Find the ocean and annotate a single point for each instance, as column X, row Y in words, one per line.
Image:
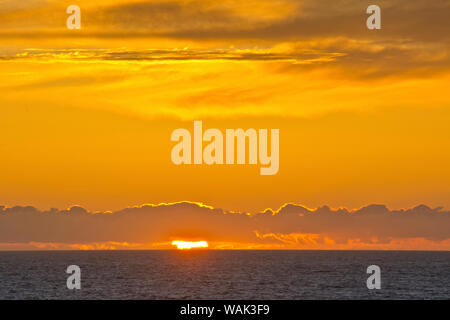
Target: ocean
column 214, row 274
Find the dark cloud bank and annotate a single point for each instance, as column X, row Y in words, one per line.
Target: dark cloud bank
column 152, row 223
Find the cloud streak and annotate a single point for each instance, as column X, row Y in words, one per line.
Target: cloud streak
column 80, row 55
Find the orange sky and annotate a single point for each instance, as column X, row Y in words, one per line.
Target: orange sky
column 87, row 114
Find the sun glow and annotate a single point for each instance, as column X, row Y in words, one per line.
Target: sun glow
column 185, row 245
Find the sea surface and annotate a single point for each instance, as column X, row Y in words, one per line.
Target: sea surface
column 211, row 274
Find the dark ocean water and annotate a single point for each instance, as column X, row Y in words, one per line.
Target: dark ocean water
column 213, row 274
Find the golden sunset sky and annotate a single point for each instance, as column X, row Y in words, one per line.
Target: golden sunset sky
column 86, row 115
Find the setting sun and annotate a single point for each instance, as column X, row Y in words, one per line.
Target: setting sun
column 182, row 245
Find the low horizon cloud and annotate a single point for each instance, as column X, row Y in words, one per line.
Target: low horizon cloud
column 292, row 226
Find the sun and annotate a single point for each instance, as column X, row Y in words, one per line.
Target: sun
column 186, row 245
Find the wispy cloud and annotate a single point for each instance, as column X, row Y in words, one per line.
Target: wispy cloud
column 232, row 19
column 80, row 55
